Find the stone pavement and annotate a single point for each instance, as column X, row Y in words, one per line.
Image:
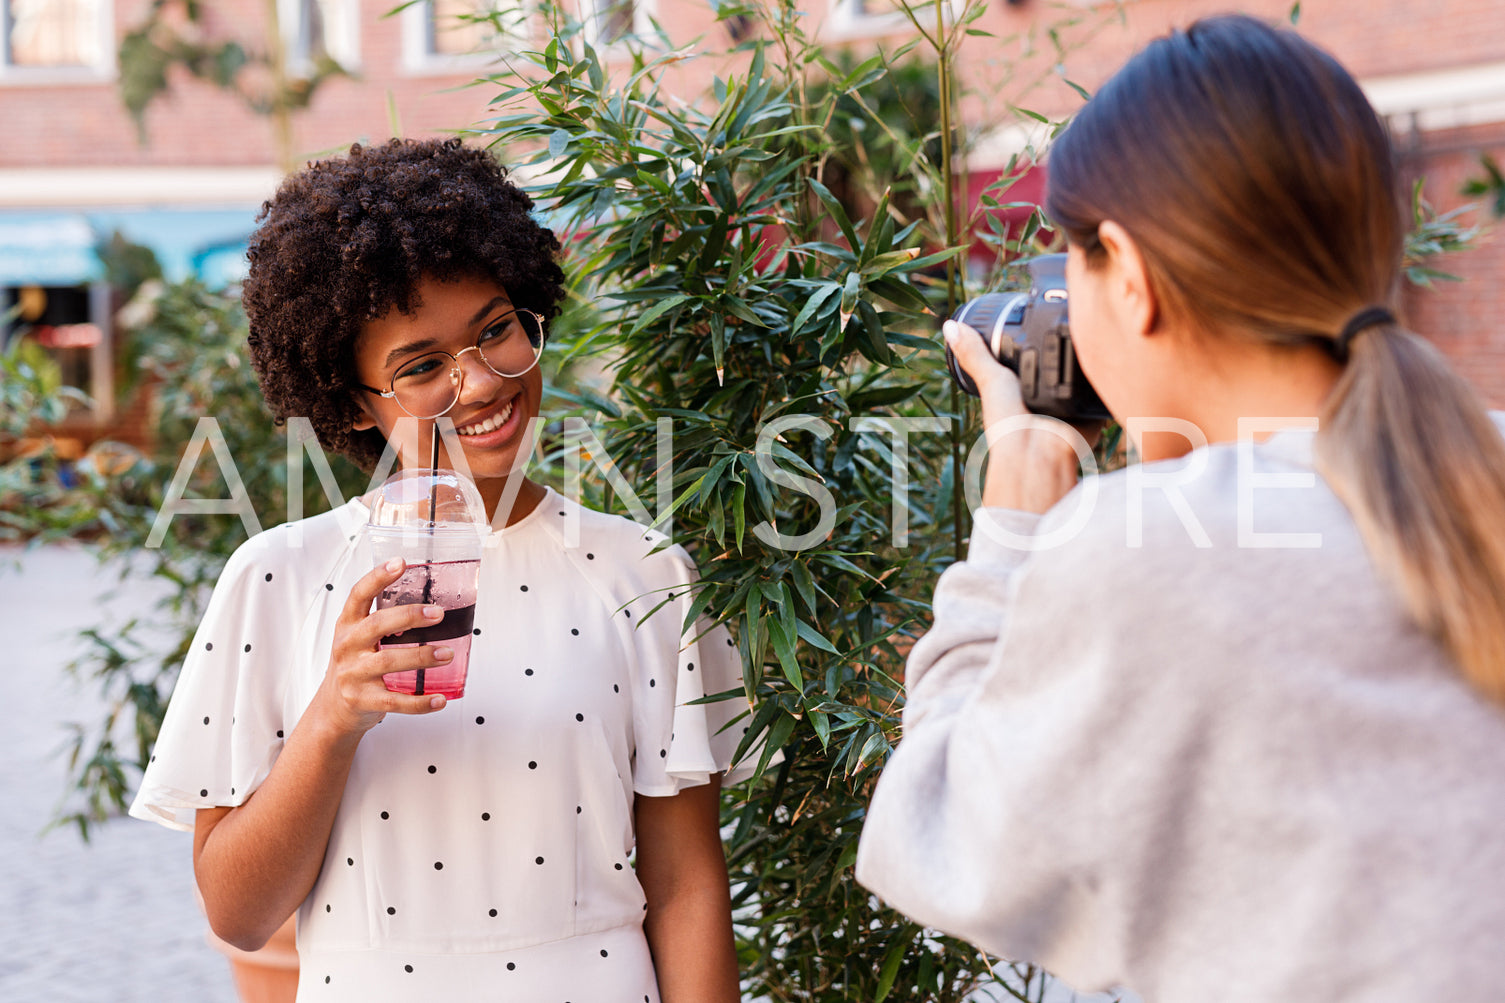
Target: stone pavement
column 113, row 920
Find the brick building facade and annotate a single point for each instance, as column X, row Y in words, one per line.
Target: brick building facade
column 72, row 157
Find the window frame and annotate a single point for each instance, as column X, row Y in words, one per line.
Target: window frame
column 643, row 12
column 843, row 22
column 342, row 42
column 103, row 69
column 420, row 59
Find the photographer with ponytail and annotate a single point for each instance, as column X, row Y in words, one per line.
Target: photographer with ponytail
column 1238, row 735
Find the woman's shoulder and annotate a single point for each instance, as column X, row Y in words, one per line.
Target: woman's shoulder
column 296, row 548
column 1181, row 526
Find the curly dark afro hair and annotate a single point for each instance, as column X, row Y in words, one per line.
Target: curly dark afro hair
column 349, row 239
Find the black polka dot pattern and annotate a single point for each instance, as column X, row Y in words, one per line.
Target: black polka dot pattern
column 551, row 681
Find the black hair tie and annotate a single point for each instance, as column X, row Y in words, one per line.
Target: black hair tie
column 1363, row 320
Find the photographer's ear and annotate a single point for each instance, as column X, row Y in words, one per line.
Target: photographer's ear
column 1130, row 295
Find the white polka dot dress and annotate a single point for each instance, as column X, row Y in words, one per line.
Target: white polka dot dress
column 483, row 852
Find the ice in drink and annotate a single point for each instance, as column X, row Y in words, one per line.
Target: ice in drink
column 435, row 521
column 448, row 584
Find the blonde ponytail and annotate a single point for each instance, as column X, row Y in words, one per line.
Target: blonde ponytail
column 1408, row 446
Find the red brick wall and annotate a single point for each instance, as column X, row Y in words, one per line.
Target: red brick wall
column 196, row 124
column 85, row 125
column 1464, row 318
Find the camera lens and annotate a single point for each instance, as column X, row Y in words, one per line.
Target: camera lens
column 991, row 315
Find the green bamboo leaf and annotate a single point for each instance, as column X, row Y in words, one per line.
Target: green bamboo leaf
column 890, row 260
column 822, row 725
column 805, row 586
column 891, row 961
column 778, row 734
column 783, row 647
column 876, row 242
column 559, row 141
column 814, row 637
column 872, row 326
column 850, row 297
column 658, row 309
column 814, row 303
column 739, row 512
column 838, row 213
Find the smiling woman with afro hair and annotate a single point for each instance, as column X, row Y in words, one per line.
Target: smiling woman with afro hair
column 350, row 241
column 557, row 835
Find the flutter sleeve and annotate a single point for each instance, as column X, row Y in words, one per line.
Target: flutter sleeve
column 679, row 742
column 224, row 728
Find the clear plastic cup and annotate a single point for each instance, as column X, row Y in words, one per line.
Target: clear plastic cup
column 436, row 522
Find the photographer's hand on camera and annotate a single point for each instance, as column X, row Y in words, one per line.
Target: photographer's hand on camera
column 353, row 696
column 1029, row 468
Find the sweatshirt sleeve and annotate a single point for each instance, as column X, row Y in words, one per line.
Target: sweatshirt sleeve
column 984, row 821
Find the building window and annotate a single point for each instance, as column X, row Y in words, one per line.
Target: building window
column 449, row 35
column 318, row 32
column 55, row 36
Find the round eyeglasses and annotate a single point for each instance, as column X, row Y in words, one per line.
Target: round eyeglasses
column 429, row 385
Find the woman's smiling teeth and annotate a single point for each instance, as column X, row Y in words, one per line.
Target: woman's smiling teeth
column 491, row 424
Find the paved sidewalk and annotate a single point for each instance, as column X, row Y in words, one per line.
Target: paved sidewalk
column 114, row 920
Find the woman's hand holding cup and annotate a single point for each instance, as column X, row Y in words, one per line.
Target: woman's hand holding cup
column 353, row 693
column 1030, row 468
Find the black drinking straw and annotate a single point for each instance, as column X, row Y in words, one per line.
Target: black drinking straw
column 428, row 569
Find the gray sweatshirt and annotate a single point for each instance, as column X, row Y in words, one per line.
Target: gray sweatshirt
column 1203, row 770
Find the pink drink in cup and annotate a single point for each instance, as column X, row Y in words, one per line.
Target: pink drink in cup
column 452, row 585
column 435, row 521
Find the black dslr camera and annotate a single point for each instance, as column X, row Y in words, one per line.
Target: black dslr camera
column 1027, row 332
